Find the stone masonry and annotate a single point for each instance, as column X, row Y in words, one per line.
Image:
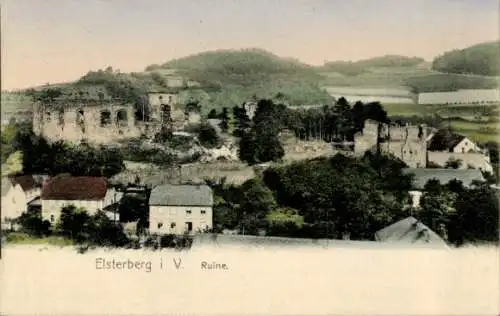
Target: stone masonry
column 407, row 143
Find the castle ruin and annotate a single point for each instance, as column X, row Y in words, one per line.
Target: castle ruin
column 407, row 142
column 103, row 120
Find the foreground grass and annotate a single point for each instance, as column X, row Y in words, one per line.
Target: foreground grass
column 25, row 239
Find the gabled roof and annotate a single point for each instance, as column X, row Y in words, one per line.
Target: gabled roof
column 75, row 188
column 26, row 182
column 423, row 175
column 181, row 195
column 442, row 140
column 409, row 230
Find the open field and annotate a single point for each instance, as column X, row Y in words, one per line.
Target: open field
column 481, row 132
column 479, row 122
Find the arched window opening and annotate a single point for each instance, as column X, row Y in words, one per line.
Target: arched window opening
column 80, row 120
column 105, row 118
column 48, row 116
column 166, row 113
column 121, row 118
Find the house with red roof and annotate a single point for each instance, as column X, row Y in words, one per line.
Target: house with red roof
column 91, row 193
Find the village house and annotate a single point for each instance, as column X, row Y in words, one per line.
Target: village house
column 410, row 231
column 179, row 209
column 422, row 175
column 442, row 149
column 91, row 193
column 19, row 194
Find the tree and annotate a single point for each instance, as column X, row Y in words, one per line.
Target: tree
column 104, row 232
column 258, row 200
column 212, row 114
column 74, row 223
column 242, row 121
column 33, row 224
column 436, row 209
column 208, row 136
column 477, row 217
column 261, row 143
column 224, row 117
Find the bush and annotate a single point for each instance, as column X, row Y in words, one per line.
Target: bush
column 207, row 136
column 33, row 224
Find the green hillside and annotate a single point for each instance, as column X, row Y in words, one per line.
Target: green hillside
column 230, row 77
column 354, row 68
column 237, row 75
column 481, row 59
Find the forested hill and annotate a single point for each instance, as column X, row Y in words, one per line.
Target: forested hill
column 237, row 75
column 481, row 59
column 361, row 66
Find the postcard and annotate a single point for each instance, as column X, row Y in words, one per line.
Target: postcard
column 265, row 157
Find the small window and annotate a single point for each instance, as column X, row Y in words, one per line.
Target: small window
column 188, row 212
column 463, row 150
column 203, row 212
column 160, row 225
column 47, row 116
column 189, row 226
column 172, row 225
column 52, row 218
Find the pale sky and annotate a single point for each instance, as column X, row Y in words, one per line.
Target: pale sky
column 60, row 40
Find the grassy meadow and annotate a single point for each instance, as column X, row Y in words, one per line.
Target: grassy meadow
column 479, row 122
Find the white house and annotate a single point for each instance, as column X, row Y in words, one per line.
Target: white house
column 177, row 209
column 17, row 193
column 90, row 193
column 422, row 175
column 443, row 148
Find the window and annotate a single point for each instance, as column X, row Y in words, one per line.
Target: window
column 203, row 212
column 463, row 150
column 172, row 225
column 160, row 225
column 105, row 118
column 121, row 118
column 52, row 218
column 189, row 226
column 47, row 115
column 188, row 212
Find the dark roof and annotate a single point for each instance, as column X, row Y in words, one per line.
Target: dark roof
column 35, row 202
column 181, row 195
column 423, row 175
column 27, row 182
column 409, row 230
column 75, row 188
column 444, row 141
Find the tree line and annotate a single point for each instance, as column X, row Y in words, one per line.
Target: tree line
column 355, row 197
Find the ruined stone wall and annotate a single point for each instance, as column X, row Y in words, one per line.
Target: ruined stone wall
column 96, row 122
column 158, row 102
column 367, row 139
column 407, row 143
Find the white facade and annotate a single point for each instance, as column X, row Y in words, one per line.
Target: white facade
column 473, row 159
column 51, row 209
column 465, row 146
column 15, row 202
column 415, row 198
column 175, row 219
